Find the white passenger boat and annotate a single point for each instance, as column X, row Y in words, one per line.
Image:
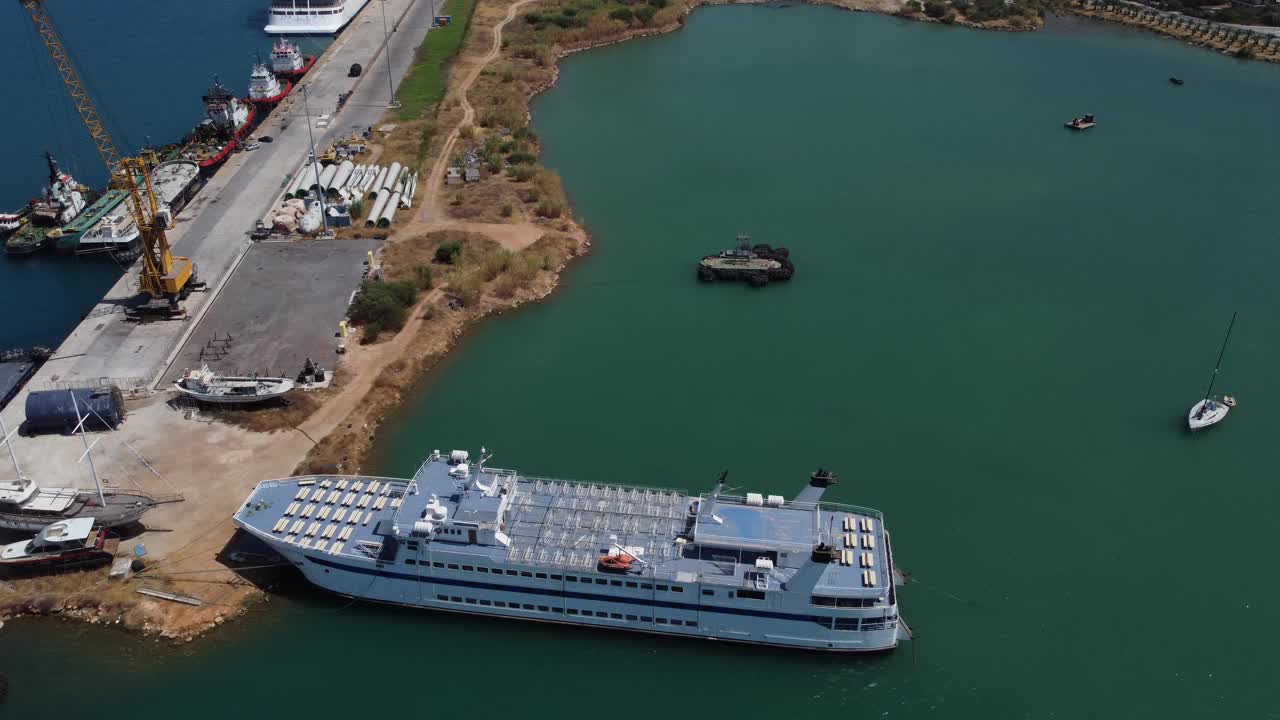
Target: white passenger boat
column 311, row 16
column 208, row 386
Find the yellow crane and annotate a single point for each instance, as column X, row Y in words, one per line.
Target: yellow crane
column 164, row 275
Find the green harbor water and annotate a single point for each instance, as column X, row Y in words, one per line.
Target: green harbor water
column 994, row 333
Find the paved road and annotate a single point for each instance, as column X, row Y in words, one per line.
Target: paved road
column 213, row 229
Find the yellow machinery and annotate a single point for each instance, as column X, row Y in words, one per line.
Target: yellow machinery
column 164, row 276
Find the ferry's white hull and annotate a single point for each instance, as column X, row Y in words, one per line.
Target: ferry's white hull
column 304, row 21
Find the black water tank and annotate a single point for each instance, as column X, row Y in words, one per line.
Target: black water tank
column 55, row 410
column 355, row 70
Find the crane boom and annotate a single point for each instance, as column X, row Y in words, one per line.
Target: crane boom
column 164, row 275
column 75, row 87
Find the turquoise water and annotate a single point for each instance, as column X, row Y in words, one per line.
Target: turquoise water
column 994, row 332
column 146, row 64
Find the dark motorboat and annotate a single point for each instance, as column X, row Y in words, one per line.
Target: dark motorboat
column 1175, row 81
column 1081, row 123
column 64, row 543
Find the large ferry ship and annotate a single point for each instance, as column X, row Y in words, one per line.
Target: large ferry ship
column 798, row 573
column 311, row 16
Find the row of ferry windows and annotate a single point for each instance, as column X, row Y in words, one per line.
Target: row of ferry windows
column 842, row 602
column 552, row 576
column 570, row 611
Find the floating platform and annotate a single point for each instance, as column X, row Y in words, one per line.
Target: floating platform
column 757, row 265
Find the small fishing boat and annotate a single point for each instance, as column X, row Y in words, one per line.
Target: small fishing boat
column 62, row 544
column 1211, row 411
column 207, row 386
column 1081, row 123
column 1175, row 81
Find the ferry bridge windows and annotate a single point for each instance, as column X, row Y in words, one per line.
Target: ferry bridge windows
column 467, row 568
column 646, row 586
column 663, row 588
column 525, row 573
column 527, row 607
column 571, row 611
column 483, row 569
column 455, row 598
column 410, row 561
column 437, row 564
column 442, row 598
column 615, row 616
column 601, row 581
column 471, row 601
column 555, row 577
column 540, row 576
column 486, row 603
column 452, row 566
column 499, row 603
column 632, row 618
column 677, row 588
column 616, row 583
column 543, row 608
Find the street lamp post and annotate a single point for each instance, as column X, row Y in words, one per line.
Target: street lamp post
column 315, row 162
column 392, row 104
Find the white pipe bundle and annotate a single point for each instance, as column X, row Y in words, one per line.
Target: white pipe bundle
column 296, row 186
column 379, row 182
column 389, row 212
column 376, row 211
column 370, row 174
column 326, row 177
column 340, row 176
column 392, row 177
column 356, row 176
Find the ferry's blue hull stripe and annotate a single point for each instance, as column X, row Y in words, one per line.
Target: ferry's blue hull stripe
column 690, row 607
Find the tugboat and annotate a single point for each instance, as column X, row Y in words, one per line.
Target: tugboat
column 63, row 544
column 207, row 386
column 287, row 61
column 756, row 264
column 228, row 119
column 62, row 202
column 264, row 89
column 1081, row 123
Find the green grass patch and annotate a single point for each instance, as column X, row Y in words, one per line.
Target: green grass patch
column 424, row 86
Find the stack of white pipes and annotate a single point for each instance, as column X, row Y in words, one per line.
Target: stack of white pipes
column 375, row 212
column 389, row 210
column 339, row 178
column 379, row 182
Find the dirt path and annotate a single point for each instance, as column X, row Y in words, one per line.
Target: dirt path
column 432, row 209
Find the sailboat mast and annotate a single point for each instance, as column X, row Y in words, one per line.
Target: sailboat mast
column 1222, row 351
column 87, row 450
column 8, row 442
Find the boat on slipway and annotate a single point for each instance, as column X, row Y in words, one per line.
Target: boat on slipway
column 467, row 538
column 1212, row 410
column 66, row 543
column 27, row 506
column 208, row 386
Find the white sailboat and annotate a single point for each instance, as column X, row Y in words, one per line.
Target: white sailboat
column 1211, row 410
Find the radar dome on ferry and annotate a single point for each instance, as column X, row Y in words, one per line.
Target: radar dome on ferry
column 460, row 470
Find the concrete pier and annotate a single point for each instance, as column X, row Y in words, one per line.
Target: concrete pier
column 213, row 229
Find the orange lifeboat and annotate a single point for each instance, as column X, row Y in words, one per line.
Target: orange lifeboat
column 616, row 563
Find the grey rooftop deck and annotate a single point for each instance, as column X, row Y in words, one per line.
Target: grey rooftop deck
column 569, row 525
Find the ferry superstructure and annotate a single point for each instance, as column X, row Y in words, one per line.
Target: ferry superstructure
column 311, row 16
column 796, row 573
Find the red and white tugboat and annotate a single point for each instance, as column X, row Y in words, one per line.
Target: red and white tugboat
column 63, row 544
column 287, row 61
column 228, row 120
column 264, row 89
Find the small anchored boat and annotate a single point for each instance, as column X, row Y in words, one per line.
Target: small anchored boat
column 1081, row 123
column 1175, row 80
column 1211, row 411
column 207, row 386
